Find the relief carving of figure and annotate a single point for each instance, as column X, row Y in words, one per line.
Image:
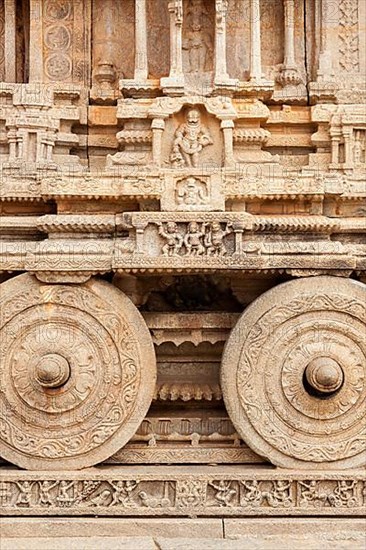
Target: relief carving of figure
column 191, row 493
column 174, row 239
column 279, row 495
column 214, row 239
column 310, row 493
column 44, row 492
column 63, row 498
column 198, row 40
column 253, row 495
column 191, row 193
column 123, row 492
column 344, row 494
column 25, row 493
column 189, row 140
column 192, row 239
column 225, row 493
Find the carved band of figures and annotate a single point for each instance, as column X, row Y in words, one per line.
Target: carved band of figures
column 179, row 495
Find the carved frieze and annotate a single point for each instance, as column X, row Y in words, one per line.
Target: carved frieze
column 214, row 492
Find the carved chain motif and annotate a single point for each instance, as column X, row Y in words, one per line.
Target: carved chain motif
column 348, row 35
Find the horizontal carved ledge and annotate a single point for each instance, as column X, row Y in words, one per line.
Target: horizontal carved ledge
column 182, row 491
column 126, row 183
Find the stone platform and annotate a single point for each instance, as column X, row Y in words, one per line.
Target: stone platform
column 187, row 534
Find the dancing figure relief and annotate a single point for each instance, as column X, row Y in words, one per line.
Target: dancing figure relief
column 190, row 139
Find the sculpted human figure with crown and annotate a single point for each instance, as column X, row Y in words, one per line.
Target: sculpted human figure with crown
column 189, row 140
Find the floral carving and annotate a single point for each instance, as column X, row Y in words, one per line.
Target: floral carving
column 299, row 370
column 72, row 370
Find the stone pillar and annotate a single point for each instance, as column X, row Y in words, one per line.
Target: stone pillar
column 289, row 74
column 35, row 41
column 140, row 84
column 140, row 231
column 12, row 140
column 227, row 127
column 238, row 228
column 348, row 156
column 289, row 45
column 10, row 40
column 221, row 74
column 104, row 71
column 255, row 41
column 335, row 141
column 157, row 127
column 175, row 80
column 141, row 66
column 323, row 10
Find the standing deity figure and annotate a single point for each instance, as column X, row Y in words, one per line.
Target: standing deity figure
column 198, row 40
column 45, row 487
column 214, row 239
column 174, row 239
column 192, row 239
column 189, row 140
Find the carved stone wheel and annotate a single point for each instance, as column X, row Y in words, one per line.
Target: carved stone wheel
column 77, row 372
column 294, row 374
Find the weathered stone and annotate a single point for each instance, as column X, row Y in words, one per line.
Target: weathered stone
column 78, row 369
column 293, row 372
column 182, row 159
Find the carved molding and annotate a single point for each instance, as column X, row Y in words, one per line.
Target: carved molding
column 200, row 492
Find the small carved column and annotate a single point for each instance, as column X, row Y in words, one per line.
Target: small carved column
column 238, row 228
column 289, row 57
column 175, row 80
column 35, row 41
column 335, row 137
column 140, row 84
column 140, row 230
column 289, row 73
column 323, row 20
column 227, row 127
column 10, row 40
column 104, row 46
column 348, row 157
column 221, row 74
column 157, row 127
column 12, row 140
column 255, row 41
column 141, row 66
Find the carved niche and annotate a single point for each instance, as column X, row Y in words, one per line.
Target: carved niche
column 192, row 140
column 198, row 41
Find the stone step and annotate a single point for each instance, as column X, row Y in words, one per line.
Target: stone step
column 186, row 534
